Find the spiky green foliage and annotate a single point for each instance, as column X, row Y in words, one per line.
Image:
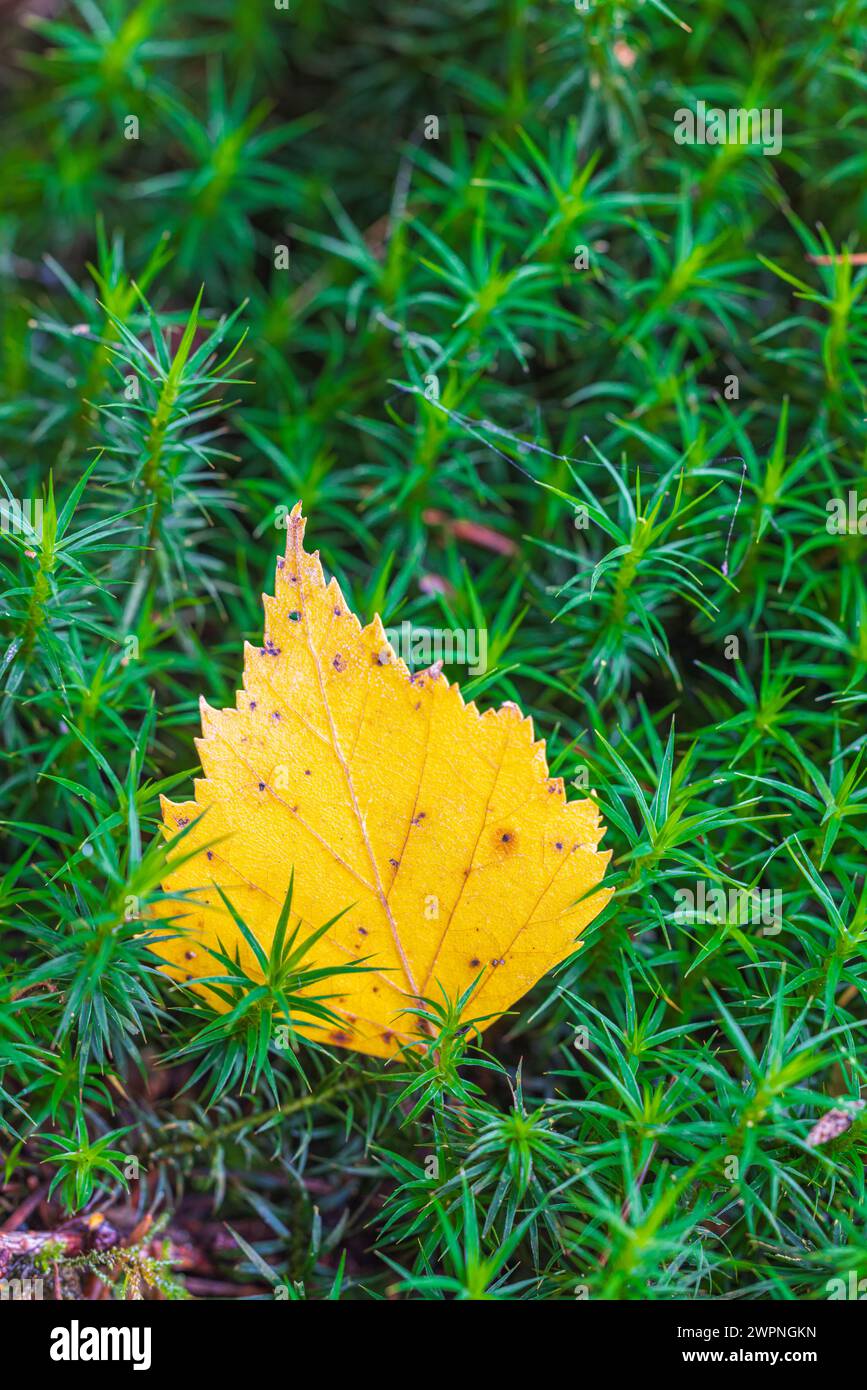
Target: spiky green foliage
column 534, row 368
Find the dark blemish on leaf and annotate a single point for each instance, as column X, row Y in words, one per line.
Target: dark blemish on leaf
column 418, row 704
column 269, row 649
column 338, row 612
column 559, row 844
column 475, row 962
column 363, row 931
column 276, row 714
column 189, row 955
column 209, row 853
column 387, row 1037
column 495, row 963
column 307, row 772
column 261, row 786
column 281, row 563
column 376, row 989
column 182, row 821
column 338, row 663
column 340, row 1037
column 252, row 704
column 393, row 863
column 505, row 837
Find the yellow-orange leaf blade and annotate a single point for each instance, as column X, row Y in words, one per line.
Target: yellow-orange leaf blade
column 382, row 789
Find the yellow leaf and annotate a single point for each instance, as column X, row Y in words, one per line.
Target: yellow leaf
column 384, row 791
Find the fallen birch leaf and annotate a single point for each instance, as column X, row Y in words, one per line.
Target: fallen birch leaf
column 436, row 826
